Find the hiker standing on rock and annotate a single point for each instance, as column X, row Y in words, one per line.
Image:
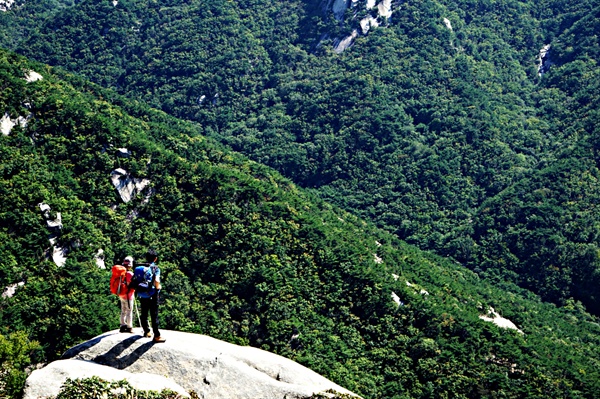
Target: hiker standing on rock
column 119, row 281
column 146, row 281
column 126, row 298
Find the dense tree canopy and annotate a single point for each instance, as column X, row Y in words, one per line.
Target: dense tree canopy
column 249, row 257
column 427, row 125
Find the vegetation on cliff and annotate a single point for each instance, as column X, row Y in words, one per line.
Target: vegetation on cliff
column 438, row 126
column 250, row 258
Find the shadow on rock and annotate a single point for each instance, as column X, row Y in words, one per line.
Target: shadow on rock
column 111, row 358
column 76, row 350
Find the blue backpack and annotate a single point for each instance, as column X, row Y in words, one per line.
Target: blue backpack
column 143, row 280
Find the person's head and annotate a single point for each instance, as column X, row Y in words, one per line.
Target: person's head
column 128, row 262
column 151, row 256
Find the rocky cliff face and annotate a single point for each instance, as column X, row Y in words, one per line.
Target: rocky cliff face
column 185, row 362
column 378, row 12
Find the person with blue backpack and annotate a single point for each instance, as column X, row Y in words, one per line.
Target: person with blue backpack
column 146, row 282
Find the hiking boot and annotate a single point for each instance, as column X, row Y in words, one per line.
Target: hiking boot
column 123, row 329
column 158, row 339
column 128, row 330
column 147, row 334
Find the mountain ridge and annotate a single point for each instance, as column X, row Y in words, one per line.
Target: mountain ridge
column 247, row 256
column 416, row 126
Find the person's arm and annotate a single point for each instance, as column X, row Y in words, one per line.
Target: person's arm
column 157, row 280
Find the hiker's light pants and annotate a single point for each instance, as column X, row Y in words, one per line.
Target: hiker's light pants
column 126, row 311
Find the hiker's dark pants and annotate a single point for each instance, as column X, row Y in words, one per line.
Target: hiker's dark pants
column 150, row 305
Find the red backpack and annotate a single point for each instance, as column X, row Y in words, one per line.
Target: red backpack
column 118, row 283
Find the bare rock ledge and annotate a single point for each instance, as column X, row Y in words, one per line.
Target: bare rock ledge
column 185, row 362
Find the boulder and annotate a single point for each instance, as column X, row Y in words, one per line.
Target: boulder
column 46, row 382
column 185, row 362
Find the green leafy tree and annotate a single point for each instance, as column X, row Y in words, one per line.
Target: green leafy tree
column 17, row 353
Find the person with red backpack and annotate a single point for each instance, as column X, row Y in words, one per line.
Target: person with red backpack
column 119, row 285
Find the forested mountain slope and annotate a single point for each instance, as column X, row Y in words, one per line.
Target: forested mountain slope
column 438, row 124
column 247, row 257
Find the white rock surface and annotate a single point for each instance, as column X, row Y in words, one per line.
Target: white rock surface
column 366, row 24
column 6, row 124
column 493, row 317
column 544, row 61
column 59, row 254
column 212, row 368
column 448, row 24
column 45, row 208
column 23, row 121
column 123, row 152
column 46, row 382
column 56, row 223
column 126, row 185
column 12, row 289
column 385, row 8
column 33, row 76
column 5, row 5
column 345, row 43
column 99, row 258
column 396, row 299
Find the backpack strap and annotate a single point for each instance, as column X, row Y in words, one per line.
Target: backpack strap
column 120, row 285
column 153, row 267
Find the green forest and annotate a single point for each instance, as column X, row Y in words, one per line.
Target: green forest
column 437, row 160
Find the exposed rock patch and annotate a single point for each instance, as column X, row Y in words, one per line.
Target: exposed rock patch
column 378, row 13
column 493, row 317
column 33, row 76
column 7, row 124
column 385, row 8
column 5, row 5
column 368, row 22
column 345, row 43
column 58, row 254
column 544, row 61
column 123, row 152
column 47, row 381
column 396, row 299
column 448, row 24
column 126, row 185
column 99, row 258
column 10, row 291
